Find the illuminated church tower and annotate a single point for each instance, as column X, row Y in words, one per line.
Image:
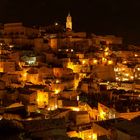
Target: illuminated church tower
column 69, row 23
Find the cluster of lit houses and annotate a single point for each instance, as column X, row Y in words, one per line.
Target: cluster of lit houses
column 44, row 75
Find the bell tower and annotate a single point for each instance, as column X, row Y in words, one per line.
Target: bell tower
column 69, row 22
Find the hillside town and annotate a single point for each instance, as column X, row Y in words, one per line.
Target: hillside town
column 57, row 84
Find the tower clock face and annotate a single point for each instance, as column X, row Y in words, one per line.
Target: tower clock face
column 69, row 18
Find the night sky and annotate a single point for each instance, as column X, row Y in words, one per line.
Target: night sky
column 119, row 17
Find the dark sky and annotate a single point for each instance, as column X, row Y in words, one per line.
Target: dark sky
column 119, row 17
